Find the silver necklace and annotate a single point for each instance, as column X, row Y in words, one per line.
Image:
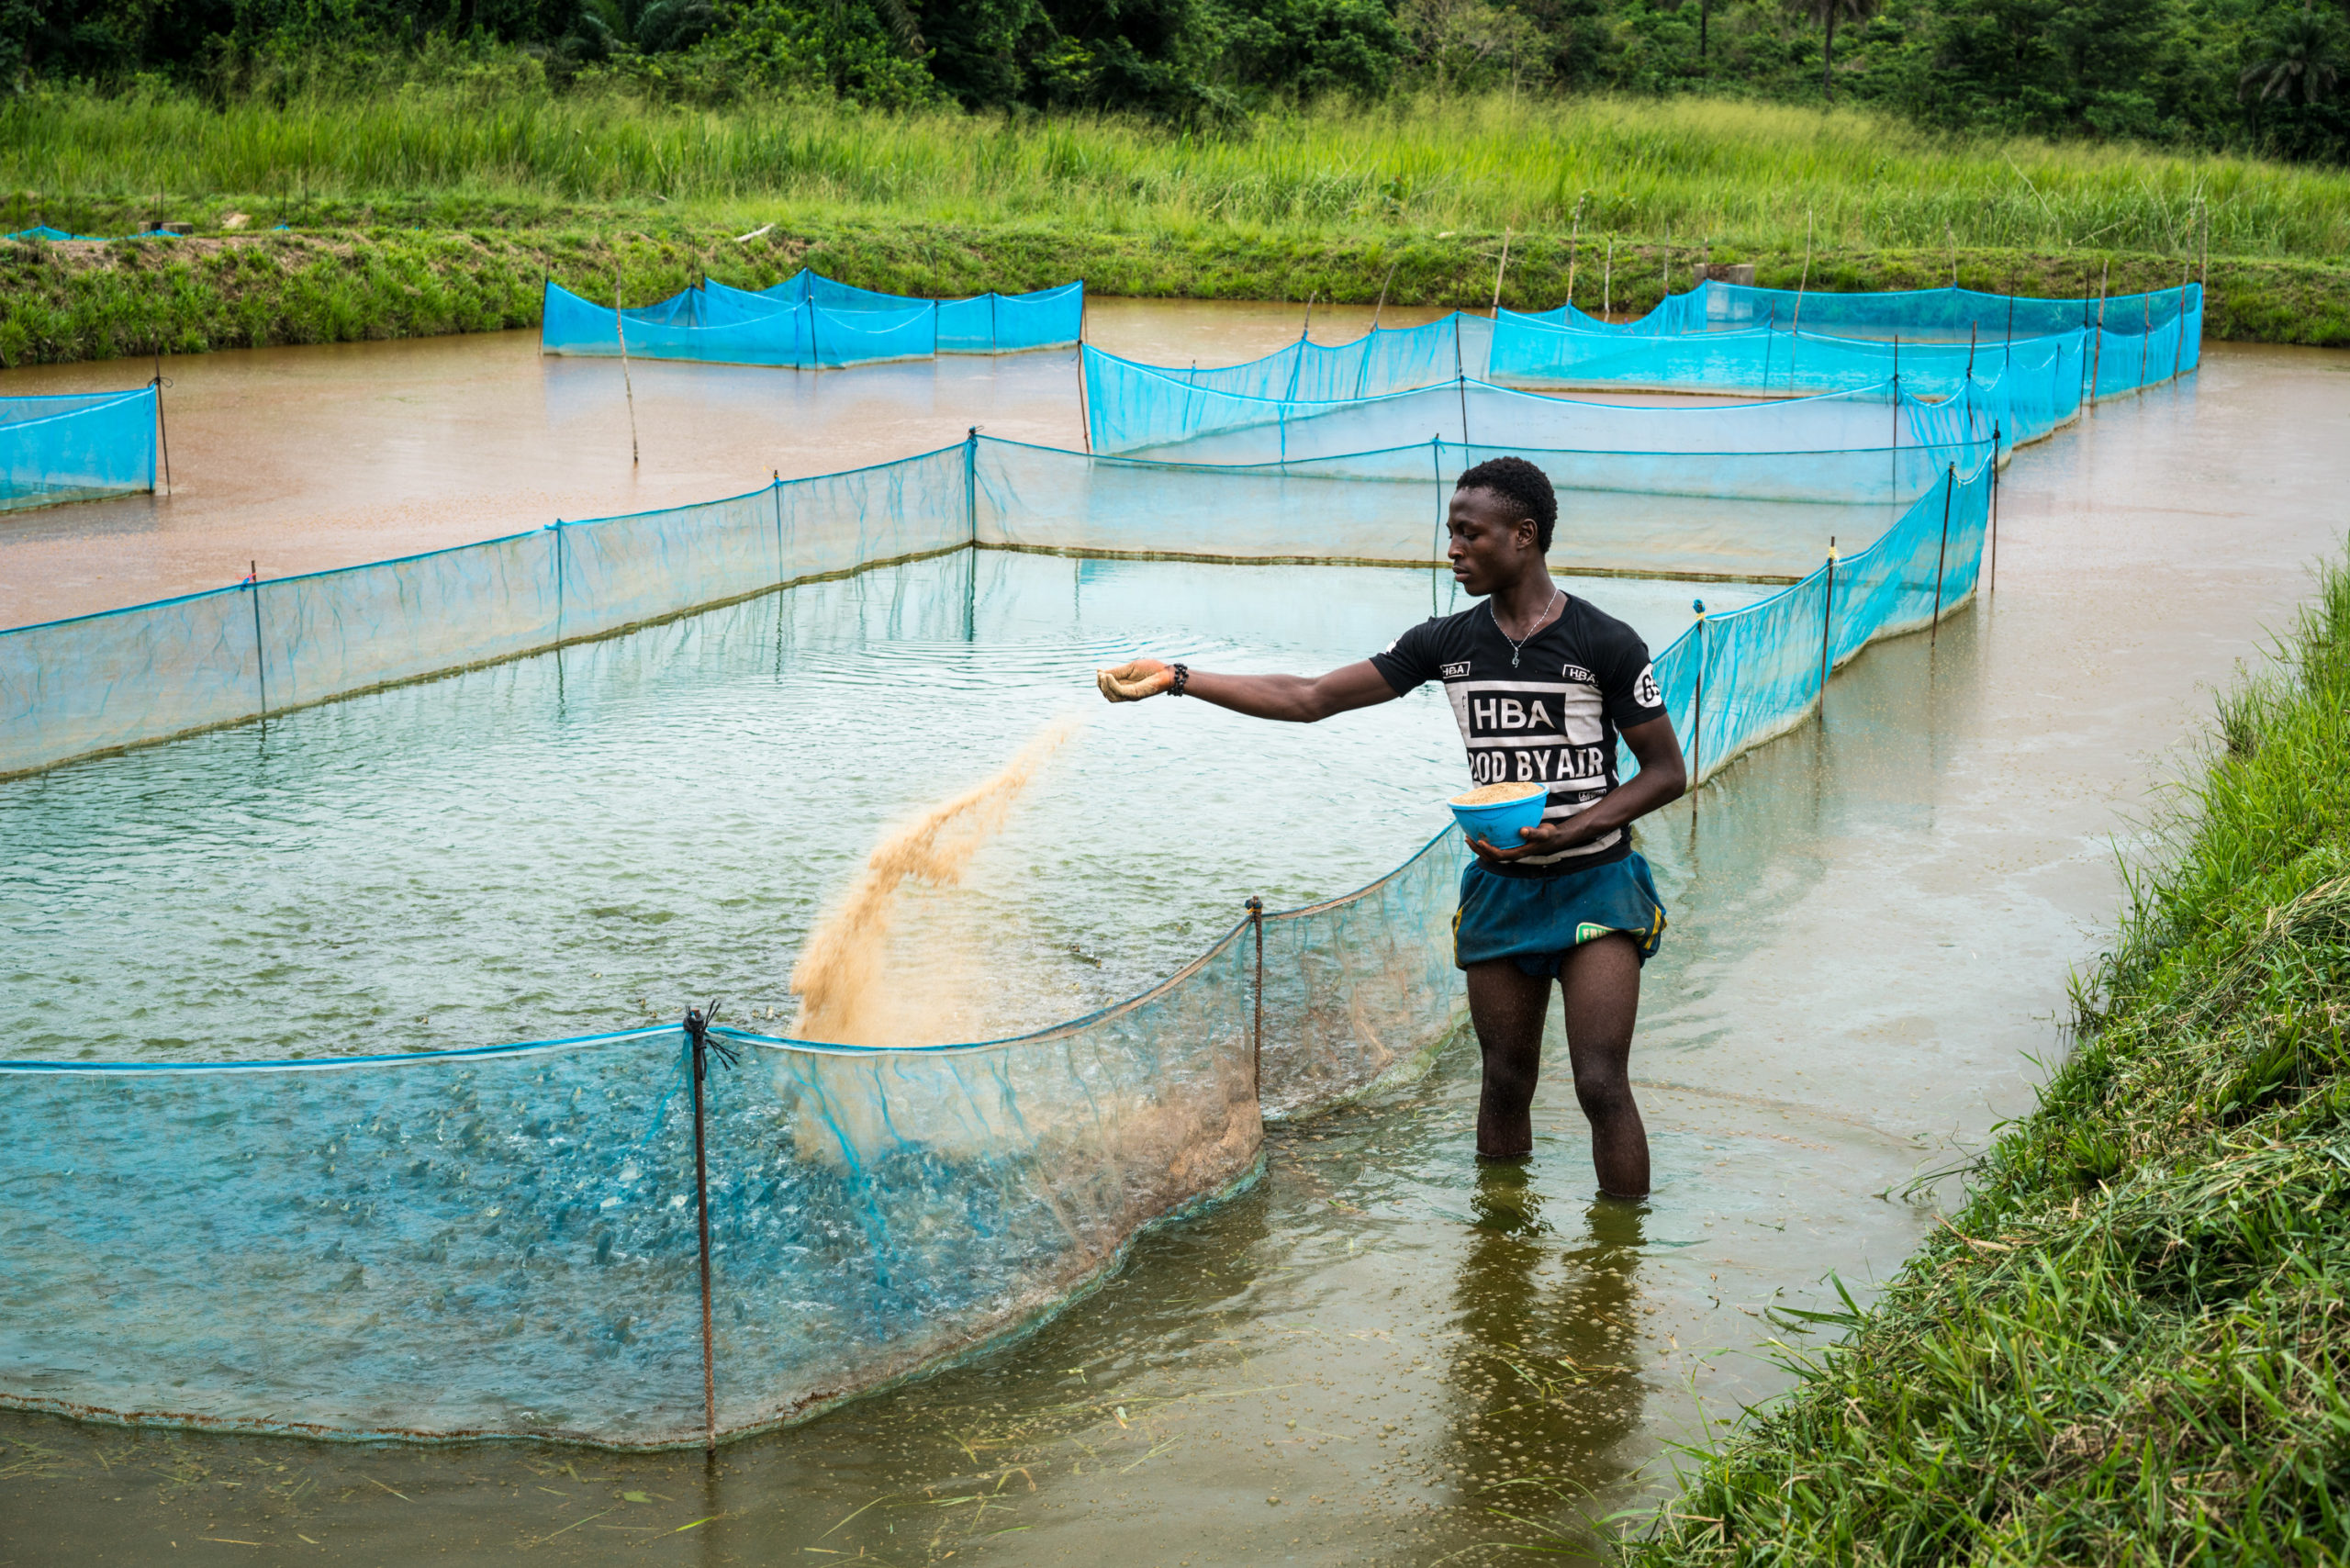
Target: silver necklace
column 1519, row 646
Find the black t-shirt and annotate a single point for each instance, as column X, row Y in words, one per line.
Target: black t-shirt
column 1552, row 718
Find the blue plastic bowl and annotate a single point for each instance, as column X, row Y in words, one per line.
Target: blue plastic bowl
column 1502, row 823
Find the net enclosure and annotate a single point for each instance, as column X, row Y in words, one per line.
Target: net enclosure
column 1135, row 411
column 97, row 683
column 504, row 1242
column 2027, row 365
column 76, row 447
column 57, row 236
column 1951, row 315
column 809, row 321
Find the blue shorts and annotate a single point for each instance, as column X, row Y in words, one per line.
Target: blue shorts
column 1536, row 921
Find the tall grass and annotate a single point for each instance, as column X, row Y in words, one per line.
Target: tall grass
column 2133, row 1345
column 1693, row 170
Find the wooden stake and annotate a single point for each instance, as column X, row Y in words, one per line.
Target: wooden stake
column 163, row 426
column 1826, row 618
column 1795, row 330
column 261, row 651
column 1941, row 554
column 1573, row 235
column 620, row 327
column 697, row 1023
column 2097, row 367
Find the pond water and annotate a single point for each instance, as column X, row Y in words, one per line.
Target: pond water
column 1379, row 1352
column 566, row 845
column 302, row 459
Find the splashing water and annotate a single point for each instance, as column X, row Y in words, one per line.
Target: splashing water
column 843, row 997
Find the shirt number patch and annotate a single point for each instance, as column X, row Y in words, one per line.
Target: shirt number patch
column 1644, row 690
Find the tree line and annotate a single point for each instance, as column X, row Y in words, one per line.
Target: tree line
column 2259, row 75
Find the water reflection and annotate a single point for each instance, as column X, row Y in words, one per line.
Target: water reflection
column 1544, row 1382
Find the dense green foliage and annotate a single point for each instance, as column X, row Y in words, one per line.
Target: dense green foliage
column 2252, row 75
column 2132, row 1344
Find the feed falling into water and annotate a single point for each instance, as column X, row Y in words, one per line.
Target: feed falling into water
column 839, row 979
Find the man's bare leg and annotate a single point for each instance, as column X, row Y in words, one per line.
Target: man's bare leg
column 1601, row 980
column 1506, row 1005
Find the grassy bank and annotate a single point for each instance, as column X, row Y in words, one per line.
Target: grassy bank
column 90, row 302
column 2131, row 1346
column 438, row 209
column 1686, row 169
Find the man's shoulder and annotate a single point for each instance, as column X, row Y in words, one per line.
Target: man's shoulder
column 1442, row 630
column 1593, row 627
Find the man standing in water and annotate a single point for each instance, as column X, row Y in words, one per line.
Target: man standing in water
column 1542, row 684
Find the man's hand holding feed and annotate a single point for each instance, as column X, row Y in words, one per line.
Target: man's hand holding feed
column 1134, row 681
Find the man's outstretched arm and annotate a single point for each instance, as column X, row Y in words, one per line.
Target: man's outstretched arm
column 1298, row 699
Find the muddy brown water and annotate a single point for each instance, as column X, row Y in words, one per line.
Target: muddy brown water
column 1380, row 1352
column 299, row 460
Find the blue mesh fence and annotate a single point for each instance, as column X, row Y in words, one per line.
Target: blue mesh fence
column 76, row 447
column 1938, row 344
column 985, row 323
column 96, row 683
column 1137, row 410
column 809, row 321
column 1396, row 359
column 1947, row 315
column 99, row 682
column 1766, row 515
column 1735, row 679
column 43, row 231
column 503, row 1241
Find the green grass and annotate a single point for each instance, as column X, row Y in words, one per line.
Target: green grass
column 2131, row 1345
column 184, row 297
column 438, row 209
column 1695, row 169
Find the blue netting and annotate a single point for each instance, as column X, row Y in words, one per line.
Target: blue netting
column 1735, row 679
column 1135, row 410
column 1759, row 515
column 502, row 1241
column 1937, row 345
column 698, row 325
column 809, row 321
column 76, row 447
column 123, row 678
column 1396, row 359
column 43, row 231
column 1945, row 315
column 986, row 323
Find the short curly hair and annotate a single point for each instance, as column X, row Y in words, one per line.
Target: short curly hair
column 1515, row 480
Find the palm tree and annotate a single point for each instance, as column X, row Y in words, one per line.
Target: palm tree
column 2299, row 67
column 1827, row 13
